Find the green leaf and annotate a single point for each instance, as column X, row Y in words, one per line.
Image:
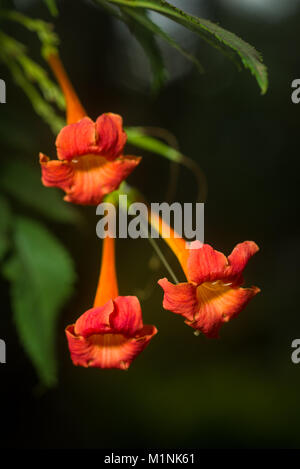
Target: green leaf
column 145, row 37
column 36, row 74
column 23, row 182
column 5, row 224
column 211, row 32
column 147, row 40
column 52, row 7
column 145, row 31
column 150, row 27
column 40, row 105
column 137, row 137
column 44, row 30
column 41, row 273
column 26, row 74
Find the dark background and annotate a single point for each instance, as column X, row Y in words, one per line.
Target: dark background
column 183, row 391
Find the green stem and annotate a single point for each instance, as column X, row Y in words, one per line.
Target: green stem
column 142, row 137
column 132, row 193
column 162, row 258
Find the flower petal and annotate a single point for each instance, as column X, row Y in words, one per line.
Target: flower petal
column 180, row 298
column 219, row 303
column 76, row 139
column 95, row 320
column 105, row 137
column 127, row 316
column 111, row 138
column 206, row 265
column 107, row 350
column 95, row 177
column 89, row 179
column 56, row 173
column 240, row 256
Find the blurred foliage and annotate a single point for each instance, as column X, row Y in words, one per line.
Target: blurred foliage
column 41, row 275
column 37, row 265
column 49, row 40
column 23, row 183
column 42, row 92
column 51, row 4
column 185, row 391
column 5, row 222
column 226, row 41
column 145, row 30
column 138, row 136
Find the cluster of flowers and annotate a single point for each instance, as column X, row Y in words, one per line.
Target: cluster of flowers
column 111, row 334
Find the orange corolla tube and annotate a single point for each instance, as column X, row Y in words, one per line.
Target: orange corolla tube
column 112, row 333
column 174, row 241
column 74, row 109
column 90, row 156
column 212, row 294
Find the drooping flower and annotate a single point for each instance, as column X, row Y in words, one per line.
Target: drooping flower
column 212, row 294
column 90, row 160
column 112, row 333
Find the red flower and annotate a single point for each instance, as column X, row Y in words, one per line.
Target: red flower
column 112, row 333
column 90, row 161
column 110, row 336
column 213, row 293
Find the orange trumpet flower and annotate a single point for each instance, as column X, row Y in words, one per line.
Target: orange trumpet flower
column 212, row 294
column 90, row 161
column 112, row 333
